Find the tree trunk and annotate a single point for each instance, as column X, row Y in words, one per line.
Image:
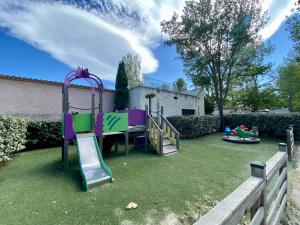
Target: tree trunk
column 221, row 114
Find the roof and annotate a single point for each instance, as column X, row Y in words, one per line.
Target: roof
column 40, row 81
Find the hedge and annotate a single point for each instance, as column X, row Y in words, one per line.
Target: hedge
column 12, row 136
column 192, row 126
column 43, row 134
column 268, row 124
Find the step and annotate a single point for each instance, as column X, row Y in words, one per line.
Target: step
column 166, row 142
column 169, row 150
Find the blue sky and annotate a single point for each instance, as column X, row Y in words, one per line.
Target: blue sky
column 44, row 40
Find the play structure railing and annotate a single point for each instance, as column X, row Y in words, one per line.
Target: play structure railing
column 253, row 196
column 155, row 135
column 170, row 131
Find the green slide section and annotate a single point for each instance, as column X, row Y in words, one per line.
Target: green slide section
column 114, row 122
column 93, row 168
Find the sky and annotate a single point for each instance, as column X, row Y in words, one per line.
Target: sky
column 45, row 39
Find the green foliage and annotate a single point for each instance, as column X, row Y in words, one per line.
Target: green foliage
column 219, row 42
column 289, row 85
column 43, row 134
column 180, row 85
column 12, row 136
column 133, row 69
column 192, row 126
column 209, row 105
column 254, row 99
column 269, row 124
column 121, row 100
column 149, row 96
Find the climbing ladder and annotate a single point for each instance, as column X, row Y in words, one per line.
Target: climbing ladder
column 164, row 138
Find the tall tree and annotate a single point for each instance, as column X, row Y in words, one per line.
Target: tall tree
column 121, row 94
column 289, row 84
column 218, row 41
column 180, row 84
column 133, row 69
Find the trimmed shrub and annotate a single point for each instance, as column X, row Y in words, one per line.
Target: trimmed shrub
column 12, row 136
column 268, row 124
column 43, row 134
column 193, row 126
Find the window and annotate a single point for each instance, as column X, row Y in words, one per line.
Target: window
column 188, row 112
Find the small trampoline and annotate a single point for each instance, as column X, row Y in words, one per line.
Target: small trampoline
column 236, row 139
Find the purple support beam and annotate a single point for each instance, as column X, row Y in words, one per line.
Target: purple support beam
column 68, row 123
column 99, row 125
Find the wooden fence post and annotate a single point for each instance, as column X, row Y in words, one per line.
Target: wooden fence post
column 258, row 169
column 290, row 143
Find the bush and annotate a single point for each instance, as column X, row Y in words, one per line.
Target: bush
column 43, row 134
column 192, row 126
column 269, row 124
column 12, row 136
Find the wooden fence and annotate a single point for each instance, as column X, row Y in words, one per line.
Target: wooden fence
column 263, row 195
column 290, row 142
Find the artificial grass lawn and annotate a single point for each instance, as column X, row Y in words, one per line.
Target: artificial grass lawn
column 35, row 190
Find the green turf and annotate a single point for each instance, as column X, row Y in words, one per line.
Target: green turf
column 35, row 190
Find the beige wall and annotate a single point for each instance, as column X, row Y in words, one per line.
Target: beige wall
column 43, row 101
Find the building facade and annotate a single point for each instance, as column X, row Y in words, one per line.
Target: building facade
column 42, row 100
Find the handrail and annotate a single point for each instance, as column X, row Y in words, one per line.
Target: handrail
column 160, row 130
column 170, row 125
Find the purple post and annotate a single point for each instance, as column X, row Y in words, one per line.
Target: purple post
column 99, row 125
column 68, row 123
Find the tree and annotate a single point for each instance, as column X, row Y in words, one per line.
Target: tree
column 133, row 69
column 121, row 94
column 180, row 85
column 289, row 84
column 219, row 42
column 209, row 105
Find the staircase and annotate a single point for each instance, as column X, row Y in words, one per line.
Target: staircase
column 165, row 138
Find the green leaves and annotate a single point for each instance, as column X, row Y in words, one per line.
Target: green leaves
column 121, row 100
column 12, row 136
column 192, row 126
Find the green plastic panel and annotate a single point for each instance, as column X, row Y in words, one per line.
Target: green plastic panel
column 114, row 122
column 82, row 122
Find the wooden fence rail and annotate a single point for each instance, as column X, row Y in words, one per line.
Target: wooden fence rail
column 265, row 207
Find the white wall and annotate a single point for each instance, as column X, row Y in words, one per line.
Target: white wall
column 172, row 107
column 43, row 101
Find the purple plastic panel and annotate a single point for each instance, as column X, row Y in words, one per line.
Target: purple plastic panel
column 98, row 127
column 136, row 117
column 68, row 123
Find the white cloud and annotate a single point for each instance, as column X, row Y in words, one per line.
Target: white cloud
column 78, row 36
column 277, row 19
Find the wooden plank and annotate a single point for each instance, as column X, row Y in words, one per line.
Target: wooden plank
column 274, row 208
column 276, row 187
column 259, row 215
column 232, row 209
column 280, row 211
column 274, row 164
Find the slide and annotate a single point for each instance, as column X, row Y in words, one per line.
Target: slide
column 94, row 170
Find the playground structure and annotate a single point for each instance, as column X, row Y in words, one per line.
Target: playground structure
column 241, row 134
column 96, row 132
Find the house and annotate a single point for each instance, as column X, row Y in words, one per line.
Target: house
column 42, row 99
